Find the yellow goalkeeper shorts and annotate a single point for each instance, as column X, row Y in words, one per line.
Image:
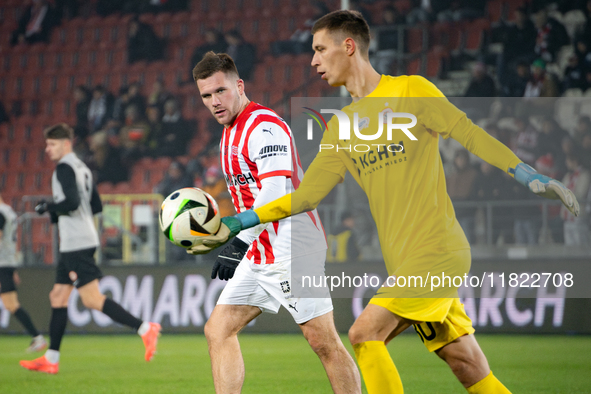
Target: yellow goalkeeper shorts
column 444, row 319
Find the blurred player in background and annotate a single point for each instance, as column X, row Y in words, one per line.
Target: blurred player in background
column 415, row 219
column 75, row 201
column 9, row 278
column 257, row 153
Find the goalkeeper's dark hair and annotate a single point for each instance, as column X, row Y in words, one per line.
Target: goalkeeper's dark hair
column 346, row 23
column 212, row 63
column 60, row 131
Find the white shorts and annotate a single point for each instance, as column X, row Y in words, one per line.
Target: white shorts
column 269, row 288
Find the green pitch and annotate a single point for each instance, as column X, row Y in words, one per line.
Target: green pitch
column 280, row 364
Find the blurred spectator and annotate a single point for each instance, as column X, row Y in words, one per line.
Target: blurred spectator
column 526, row 143
column 549, row 140
column 105, row 160
column 120, row 104
column 582, row 127
column 574, row 75
column 577, row 179
column 541, row 83
column 387, row 40
column 35, row 24
column 175, row 178
column 175, row 133
column 243, row 52
column 421, row 11
column 519, row 41
column 135, row 97
column 586, row 31
column 100, row 108
column 525, row 217
column 457, row 10
column 516, row 81
column 215, row 184
column 133, row 136
column 82, row 100
column 154, row 116
column 551, row 36
column 491, row 185
column 142, row 43
column 461, row 187
column 301, row 40
column 482, row 84
column 214, row 41
column 582, row 53
column 158, row 95
column 342, row 245
column 4, row 118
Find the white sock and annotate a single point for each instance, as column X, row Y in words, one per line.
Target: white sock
column 143, row 328
column 53, row 356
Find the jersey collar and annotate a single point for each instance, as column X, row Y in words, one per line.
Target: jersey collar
column 242, row 115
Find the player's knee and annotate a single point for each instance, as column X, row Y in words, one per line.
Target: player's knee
column 55, row 298
column 11, row 306
column 320, row 346
column 93, row 303
column 212, row 331
column 356, row 335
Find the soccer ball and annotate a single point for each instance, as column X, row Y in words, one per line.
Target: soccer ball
column 187, row 215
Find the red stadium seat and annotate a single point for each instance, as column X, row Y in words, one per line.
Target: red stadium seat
column 413, row 67
column 415, row 40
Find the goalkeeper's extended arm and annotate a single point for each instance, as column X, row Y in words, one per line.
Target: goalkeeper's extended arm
column 483, row 145
column 316, row 185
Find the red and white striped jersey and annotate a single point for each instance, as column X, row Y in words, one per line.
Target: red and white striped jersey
column 259, row 145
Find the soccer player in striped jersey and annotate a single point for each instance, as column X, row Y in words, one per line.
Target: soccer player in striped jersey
column 260, row 163
column 416, row 223
column 9, row 278
column 75, row 201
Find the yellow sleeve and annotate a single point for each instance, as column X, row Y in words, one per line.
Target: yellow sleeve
column 483, row 145
column 437, row 114
column 316, row 185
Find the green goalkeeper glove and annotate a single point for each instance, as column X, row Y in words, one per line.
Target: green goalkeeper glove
column 229, row 228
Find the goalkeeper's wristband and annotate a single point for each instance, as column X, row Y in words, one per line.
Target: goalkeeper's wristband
column 248, row 219
column 524, row 174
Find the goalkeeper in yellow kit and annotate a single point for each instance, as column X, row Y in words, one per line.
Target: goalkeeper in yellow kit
column 416, row 223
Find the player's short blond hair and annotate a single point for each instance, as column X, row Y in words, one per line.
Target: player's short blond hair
column 60, row 131
column 348, row 23
column 212, row 63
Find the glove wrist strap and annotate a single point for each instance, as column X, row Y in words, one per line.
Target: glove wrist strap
column 523, row 173
column 248, row 219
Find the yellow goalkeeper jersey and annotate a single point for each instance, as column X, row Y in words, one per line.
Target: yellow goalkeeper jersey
column 403, row 178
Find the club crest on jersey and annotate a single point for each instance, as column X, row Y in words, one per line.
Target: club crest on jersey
column 285, row 287
column 363, row 123
column 235, row 151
